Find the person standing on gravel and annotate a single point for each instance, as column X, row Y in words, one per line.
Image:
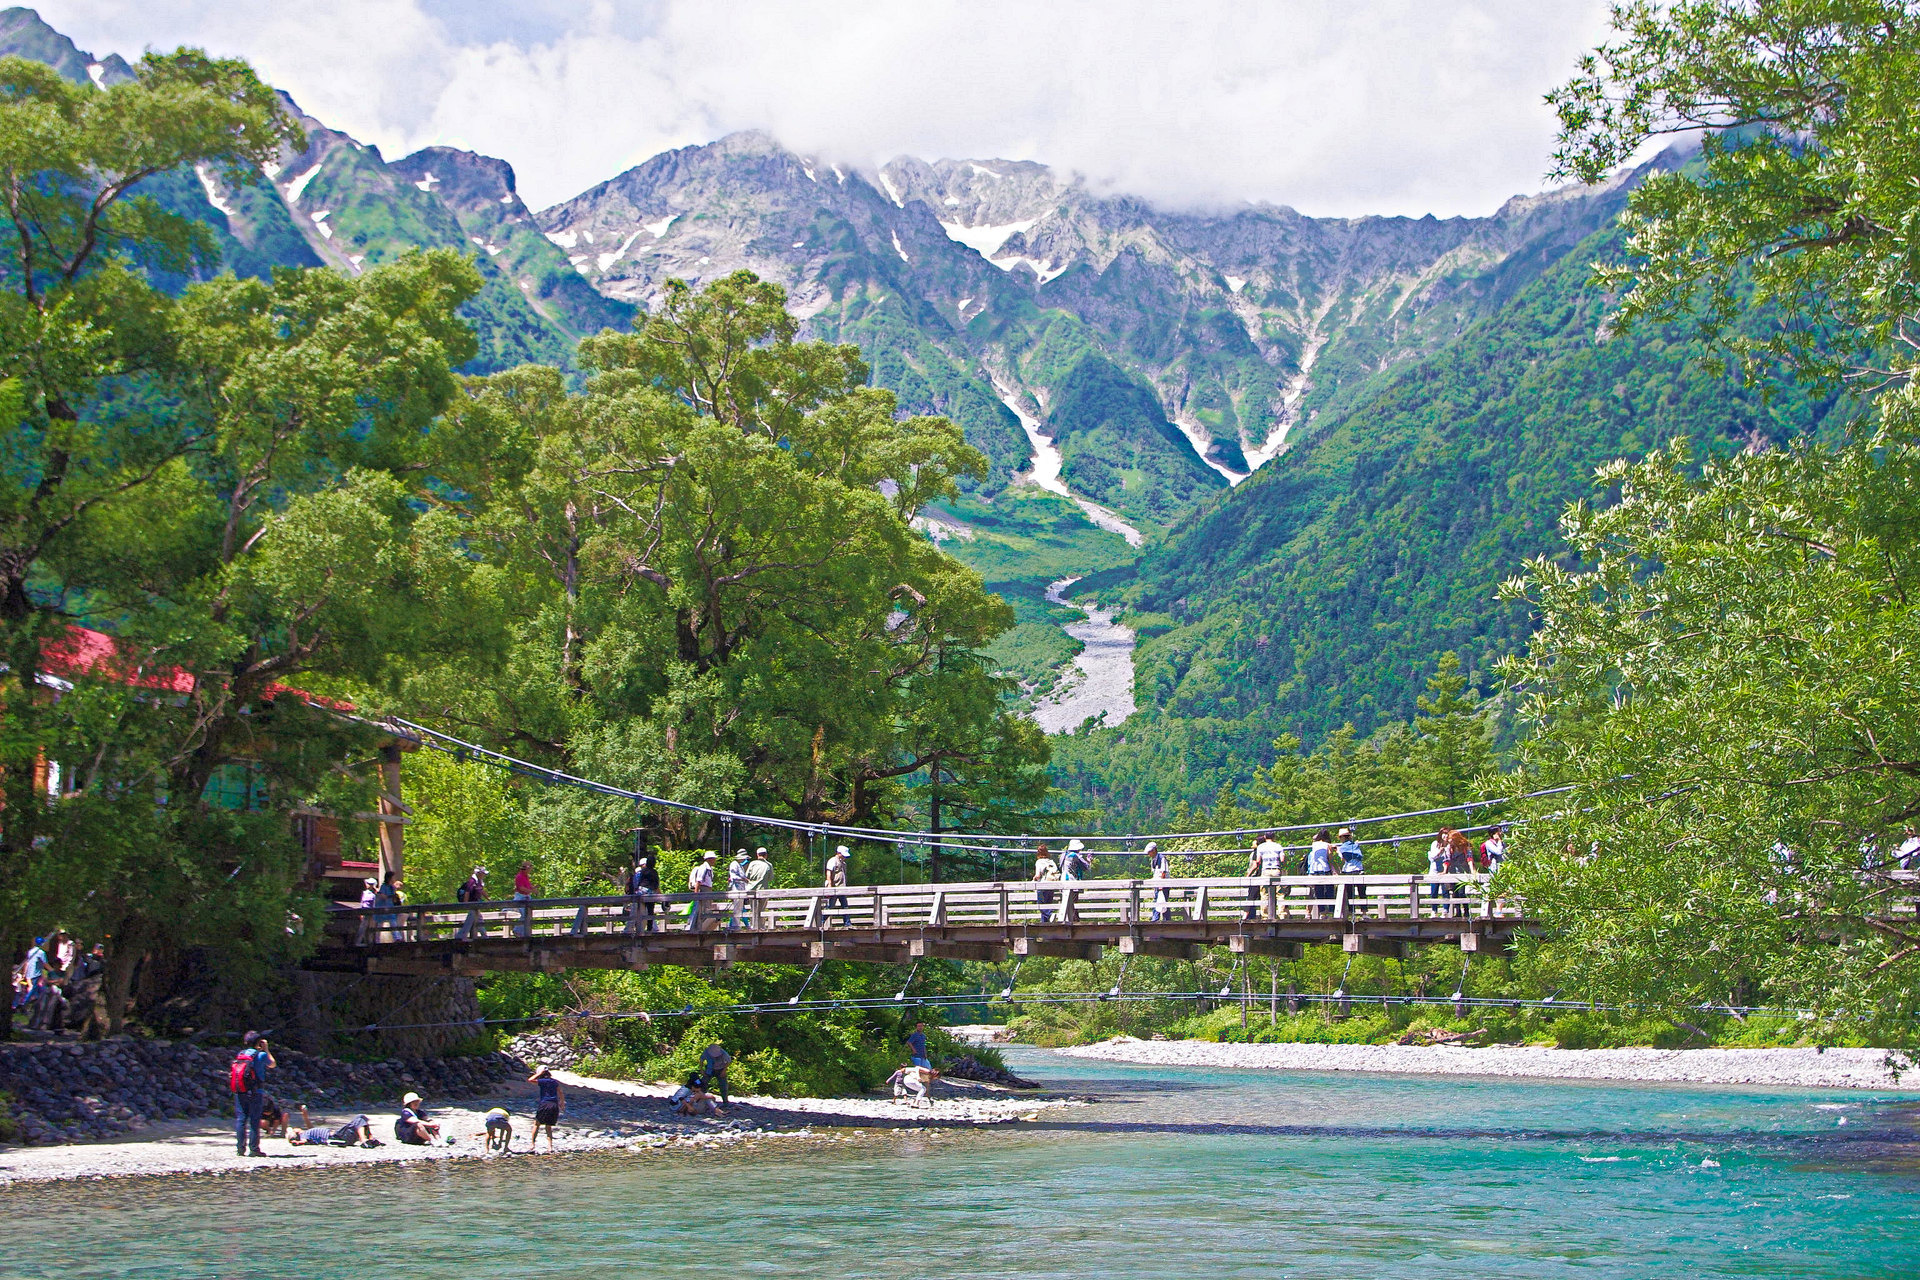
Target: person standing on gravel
column 546, row 1112
column 714, row 1061
column 917, row 1045
column 247, row 1080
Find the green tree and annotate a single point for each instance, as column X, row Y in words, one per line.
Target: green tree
column 1725, row 675
column 1453, row 747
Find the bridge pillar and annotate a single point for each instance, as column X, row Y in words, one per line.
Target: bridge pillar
column 937, row 949
column 1360, row 944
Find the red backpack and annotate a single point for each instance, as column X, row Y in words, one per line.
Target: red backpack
column 244, row 1075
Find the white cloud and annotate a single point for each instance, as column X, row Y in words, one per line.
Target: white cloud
column 1374, row 106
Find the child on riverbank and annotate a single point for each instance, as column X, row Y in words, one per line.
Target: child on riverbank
column 499, row 1131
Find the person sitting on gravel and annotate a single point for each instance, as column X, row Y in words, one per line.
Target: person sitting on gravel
column 412, row 1126
column 499, row 1130
column 911, row 1081
column 698, row 1101
column 547, row 1113
column 357, row 1132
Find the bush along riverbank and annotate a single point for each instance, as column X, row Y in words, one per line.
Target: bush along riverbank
column 1256, row 1006
column 57, row 1092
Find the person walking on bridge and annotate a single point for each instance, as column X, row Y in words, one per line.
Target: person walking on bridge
column 1078, row 863
column 700, row 882
column 644, row 884
column 1320, row 863
column 737, row 890
column 759, row 871
column 1044, row 874
column 1159, row 867
column 836, row 878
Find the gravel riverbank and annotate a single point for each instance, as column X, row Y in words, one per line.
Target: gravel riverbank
column 600, row 1115
column 1793, row 1068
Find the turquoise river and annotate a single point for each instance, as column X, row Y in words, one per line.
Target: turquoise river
column 1172, row 1173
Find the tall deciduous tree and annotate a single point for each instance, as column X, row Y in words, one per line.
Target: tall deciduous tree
column 1727, row 673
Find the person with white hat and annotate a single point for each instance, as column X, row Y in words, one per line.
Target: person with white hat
column 1159, row 867
column 700, row 880
column 837, row 879
column 760, row 870
column 412, row 1127
column 737, row 888
column 1078, row 864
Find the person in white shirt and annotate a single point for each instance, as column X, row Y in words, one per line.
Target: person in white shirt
column 1320, row 863
column 837, row 879
column 1159, row 867
column 737, row 886
column 1494, row 851
column 1907, row 856
column 1044, row 874
column 1273, row 858
column 700, row 880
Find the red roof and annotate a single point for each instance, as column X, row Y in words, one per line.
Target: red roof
column 84, row 652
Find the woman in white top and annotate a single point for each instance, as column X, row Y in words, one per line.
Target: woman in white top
column 1159, row 867
column 1044, row 873
column 1320, row 863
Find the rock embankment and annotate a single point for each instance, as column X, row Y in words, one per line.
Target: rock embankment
column 968, row 1067
column 81, row 1092
column 1791, row 1068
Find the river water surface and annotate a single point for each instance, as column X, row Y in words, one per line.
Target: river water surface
column 1173, row 1173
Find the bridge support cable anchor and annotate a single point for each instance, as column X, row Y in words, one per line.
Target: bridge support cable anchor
column 1340, row 993
column 795, row 997
column 902, row 993
column 1006, row 992
column 1120, row 979
column 1460, row 988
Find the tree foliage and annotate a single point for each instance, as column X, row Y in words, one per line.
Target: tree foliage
column 1724, row 669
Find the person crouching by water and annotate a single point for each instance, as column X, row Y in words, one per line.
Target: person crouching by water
column 498, row 1131
column 546, row 1113
column 911, row 1082
column 412, row 1127
column 1044, row 874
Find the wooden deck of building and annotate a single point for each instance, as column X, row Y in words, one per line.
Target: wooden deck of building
column 897, row 924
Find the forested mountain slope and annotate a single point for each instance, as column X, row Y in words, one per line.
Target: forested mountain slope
column 1321, row 591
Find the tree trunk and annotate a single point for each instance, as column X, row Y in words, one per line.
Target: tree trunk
column 116, row 985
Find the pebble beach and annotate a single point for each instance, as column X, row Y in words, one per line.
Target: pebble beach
column 1786, row 1068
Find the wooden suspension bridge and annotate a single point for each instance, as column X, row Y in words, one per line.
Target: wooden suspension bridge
column 898, row 924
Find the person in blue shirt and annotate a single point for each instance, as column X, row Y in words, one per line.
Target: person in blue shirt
column 250, row 1102
column 917, row 1045
column 546, row 1113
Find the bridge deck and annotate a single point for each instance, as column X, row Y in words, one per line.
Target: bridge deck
column 895, row 924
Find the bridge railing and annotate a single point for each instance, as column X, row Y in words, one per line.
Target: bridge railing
column 994, row 904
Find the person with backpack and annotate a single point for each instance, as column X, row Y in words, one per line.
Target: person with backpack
column 247, row 1081
column 644, row 884
column 1078, row 863
column 475, row 889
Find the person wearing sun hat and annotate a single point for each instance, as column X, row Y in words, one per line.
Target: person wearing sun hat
column 412, row 1127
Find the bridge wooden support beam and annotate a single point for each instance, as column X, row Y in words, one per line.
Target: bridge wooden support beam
column 731, row 953
column 936, row 949
column 1244, row 944
column 1060, row 947
column 1172, row 950
column 862, row 951
column 1358, row 944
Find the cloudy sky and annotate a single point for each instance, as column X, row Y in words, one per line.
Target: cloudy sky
column 1332, row 106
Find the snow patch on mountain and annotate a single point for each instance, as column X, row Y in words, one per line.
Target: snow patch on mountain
column 897, row 249
column 608, row 259
column 427, row 180
column 659, row 228
column 298, row 186
column 211, row 187
column 986, row 241
column 565, row 239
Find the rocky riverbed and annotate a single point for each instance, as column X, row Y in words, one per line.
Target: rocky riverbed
column 1795, row 1068
column 599, row 1115
column 72, row 1092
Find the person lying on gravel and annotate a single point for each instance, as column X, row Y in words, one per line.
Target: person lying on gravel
column 412, row 1127
column 355, row 1132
